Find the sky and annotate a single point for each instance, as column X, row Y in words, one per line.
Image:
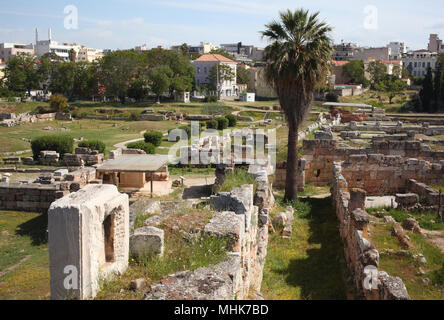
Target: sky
column 122, row 24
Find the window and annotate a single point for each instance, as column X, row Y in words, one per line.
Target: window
column 198, row 69
column 205, row 70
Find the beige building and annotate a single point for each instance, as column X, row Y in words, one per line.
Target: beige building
column 435, row 44
column 2, row 69
column 9, row 50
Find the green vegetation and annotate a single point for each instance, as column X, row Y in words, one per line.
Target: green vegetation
column 215, row 108
column 407, row 267
column 24, row 256
column 188, row 170
column 154, row 138
column 60, row 143
column 180, row 255
column 211, row 124
column 232, row 120
column 355, row 71
column 149, row 148
column 427, row 220
column 93, row 145
column 58, row 102
column 309, row 266
column 237, row 178
column 222, row 123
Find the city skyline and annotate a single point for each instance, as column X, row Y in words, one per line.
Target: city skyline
column 124, row 24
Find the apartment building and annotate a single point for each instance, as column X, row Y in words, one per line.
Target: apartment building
column 397, row 50
column 244, row 52
column 9, row 50
column 418, row 62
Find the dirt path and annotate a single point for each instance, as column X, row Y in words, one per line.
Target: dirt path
column 15, row 266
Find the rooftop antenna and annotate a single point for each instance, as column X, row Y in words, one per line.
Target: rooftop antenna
column 49, row 34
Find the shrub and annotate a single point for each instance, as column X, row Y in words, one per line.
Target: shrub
column 222, row 123
column 211, row 98
column 211, row 124
column 60, row 143
column 332, row 97
column 232, row 120
column 153, row 137
column 236, row 179
column 58, row 102
column 93, row 145
column 149, row 148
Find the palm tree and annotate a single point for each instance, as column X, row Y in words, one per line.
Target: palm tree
column 297, row 58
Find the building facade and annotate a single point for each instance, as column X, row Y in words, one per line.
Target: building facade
column 418, row 62
column 204, row 64
column 10, row 50
column 435, row 44
column 397, row 50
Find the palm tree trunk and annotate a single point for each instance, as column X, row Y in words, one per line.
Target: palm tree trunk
column 291, row 183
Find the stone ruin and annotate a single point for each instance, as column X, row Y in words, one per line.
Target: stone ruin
column 360, row 254
column 88, row 240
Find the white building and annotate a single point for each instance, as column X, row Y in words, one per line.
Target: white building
column 243, row 52
column 202, row 67
column 418, row 62
column 397, row 50
column 82, row 53
column 43, row 47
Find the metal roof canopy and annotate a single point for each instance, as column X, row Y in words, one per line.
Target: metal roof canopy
column 351, row 105
column 135, row 163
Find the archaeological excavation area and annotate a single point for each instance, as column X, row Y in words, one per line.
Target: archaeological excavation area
column 368, row 224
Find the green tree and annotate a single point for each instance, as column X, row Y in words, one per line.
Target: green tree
column 377, row 70
column 218, row 74
column 58, row 102
column 222, row 52
column 118, row 69
column 392, row 86
column 243, row 75
column 355, row 71
column 24, row 73
column 160, row 78
column 400, row 72
column 182, row 73
column 426, row 94
column 298, row 59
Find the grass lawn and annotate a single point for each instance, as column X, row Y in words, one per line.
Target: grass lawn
column 110, row 132
column 309, row 266
column 24, row 256
column 407, row 268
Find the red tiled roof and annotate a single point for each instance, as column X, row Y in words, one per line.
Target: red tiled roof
column 213, row 58
column 340, row 63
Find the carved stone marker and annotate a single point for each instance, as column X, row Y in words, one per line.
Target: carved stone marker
column 88, row 240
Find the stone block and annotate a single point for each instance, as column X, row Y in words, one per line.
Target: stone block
column 88, row 240
column 147, row 242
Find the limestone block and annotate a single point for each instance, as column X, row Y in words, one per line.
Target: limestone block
column 146, row 242
column 88, row 239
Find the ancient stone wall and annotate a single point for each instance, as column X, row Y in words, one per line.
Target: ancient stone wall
column 242, row 217
column 30, row 197
column 320, row 155
column 280, row 175
column 379, row 174
column 361, row 256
